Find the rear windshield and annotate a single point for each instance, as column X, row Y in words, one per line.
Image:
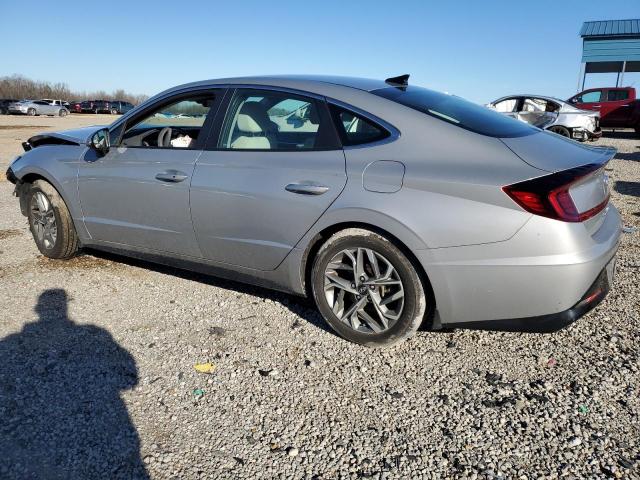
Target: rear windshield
column 457, row 111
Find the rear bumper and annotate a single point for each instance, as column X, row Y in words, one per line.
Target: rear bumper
column 552, row 322
column 541, row 274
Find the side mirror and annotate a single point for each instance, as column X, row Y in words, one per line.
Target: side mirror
column 100, row 142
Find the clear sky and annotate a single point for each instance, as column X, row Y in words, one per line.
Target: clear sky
column 478, row 49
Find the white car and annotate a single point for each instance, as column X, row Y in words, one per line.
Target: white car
column 551, row 114
column 37, row 107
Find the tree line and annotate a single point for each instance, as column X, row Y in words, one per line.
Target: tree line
column 19, row 87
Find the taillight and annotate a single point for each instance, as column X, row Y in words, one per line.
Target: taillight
column 550, row 195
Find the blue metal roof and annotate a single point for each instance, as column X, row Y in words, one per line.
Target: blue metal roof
column 611, row 28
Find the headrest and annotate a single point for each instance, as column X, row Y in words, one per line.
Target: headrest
column 253, row 118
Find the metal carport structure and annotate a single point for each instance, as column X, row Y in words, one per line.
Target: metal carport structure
column 610, row 46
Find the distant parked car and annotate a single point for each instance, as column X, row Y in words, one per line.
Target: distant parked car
column 618, row 107
column 74, row 106
column 37, row 107
column 4, row 105
column 118, row 107
column 95, row 106
column 551, row 114
column 50, row 101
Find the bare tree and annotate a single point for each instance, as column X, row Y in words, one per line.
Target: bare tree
column 18, row 86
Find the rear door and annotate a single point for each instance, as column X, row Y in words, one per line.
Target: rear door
column 138, row 194
column 618, row 108
column 275, row 168
column 538, row 112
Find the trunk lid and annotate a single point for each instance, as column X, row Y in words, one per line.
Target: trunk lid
column 553, row 153
column 577, row 188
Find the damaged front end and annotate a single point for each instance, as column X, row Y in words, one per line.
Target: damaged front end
column 19, row 189
column 78, row 136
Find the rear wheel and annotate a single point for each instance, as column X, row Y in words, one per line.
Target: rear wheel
column 560, row 131
column 367, row 290
column 50, row 222
column 62, row 112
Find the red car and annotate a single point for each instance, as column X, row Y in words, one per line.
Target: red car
column 618, row 106
column 74, row 107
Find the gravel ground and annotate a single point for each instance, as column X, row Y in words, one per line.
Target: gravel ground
column 97, row 375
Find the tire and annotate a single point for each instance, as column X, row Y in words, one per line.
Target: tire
column 44, row 204
column 563, row 131
column 31, row 112
column 367, row 328
column 62, row 112
column 114, row 111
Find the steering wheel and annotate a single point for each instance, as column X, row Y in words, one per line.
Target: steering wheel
column 164, row 137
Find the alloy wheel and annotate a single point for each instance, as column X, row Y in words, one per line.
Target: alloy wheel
column 44, row 220
column 364, row 290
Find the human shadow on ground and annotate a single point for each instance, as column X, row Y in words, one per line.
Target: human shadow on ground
column 61, row 414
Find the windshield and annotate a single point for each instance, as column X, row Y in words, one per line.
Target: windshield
column 457, row 111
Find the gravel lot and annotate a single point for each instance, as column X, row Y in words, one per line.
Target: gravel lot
column 97, row 374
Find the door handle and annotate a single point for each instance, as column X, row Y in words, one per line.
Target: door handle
column 173, row 176
column 306, row 188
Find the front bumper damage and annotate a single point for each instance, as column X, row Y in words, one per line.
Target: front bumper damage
column 19, row 190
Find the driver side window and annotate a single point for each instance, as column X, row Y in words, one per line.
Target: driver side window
column 176, row 124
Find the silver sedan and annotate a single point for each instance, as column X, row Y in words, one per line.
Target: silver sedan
column 551, row 114
column 37, row 107
column 389, row 204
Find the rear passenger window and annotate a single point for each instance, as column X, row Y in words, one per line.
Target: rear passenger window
column 617, row 95
column 271, row 120
column 354, row 129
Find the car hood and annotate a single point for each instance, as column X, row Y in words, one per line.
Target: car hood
column 551, row 152
column 77, row 136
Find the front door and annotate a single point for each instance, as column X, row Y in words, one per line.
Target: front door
column 591, row 100
column 138, row 194
column 275, row 169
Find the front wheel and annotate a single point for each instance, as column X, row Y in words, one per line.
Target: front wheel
column 31, row 112
column 62, row 112
column 50, row 222
column 367, row 290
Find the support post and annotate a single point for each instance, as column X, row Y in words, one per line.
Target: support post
column 580, row 73
column 624, row 67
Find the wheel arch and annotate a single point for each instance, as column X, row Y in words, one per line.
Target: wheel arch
column 323, row 235
column 29, row 178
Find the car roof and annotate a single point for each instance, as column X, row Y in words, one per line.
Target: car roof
column 301, row 82
column 525, row 95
